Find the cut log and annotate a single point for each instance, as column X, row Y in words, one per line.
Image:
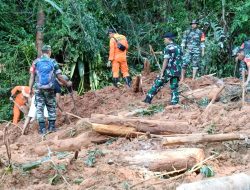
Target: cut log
column 209, row 92
column 72, row 144
column 163, row 127
column 146, row 69
column 163, row 160
column 202, row 138
column 137, row 84
column 114, row 130
column 239, row 181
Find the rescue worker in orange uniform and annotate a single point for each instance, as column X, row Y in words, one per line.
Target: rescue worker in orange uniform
column 118, row 57
column 21, row 99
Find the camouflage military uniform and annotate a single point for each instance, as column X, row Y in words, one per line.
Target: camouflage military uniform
column 243, row 63
column 45, row 96
column 192, row 42
column 172, row 53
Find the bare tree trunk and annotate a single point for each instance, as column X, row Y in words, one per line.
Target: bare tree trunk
column 223, row 2
column 39, row 31
column 162, row 160
column 202, row 138
column 163, row 127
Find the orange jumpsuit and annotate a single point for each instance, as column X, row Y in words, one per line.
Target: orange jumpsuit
column 118, row 57
column 20, row 100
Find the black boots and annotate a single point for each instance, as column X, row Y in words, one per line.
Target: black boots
column 52, row 127
column 42, row 128
column 147, row 100
column 115, row 82
column 128, row 81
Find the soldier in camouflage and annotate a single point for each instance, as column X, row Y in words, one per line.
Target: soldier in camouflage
column 170, row 72
column 43, row 71
column 245, row 63
column 193, row 46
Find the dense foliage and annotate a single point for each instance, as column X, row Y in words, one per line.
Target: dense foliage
column 76, row 29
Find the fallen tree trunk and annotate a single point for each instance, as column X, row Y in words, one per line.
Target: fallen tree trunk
column 163, row 160
column 72, row 144
column 201, row 138
column 143, row 125
column 239, row 181
column 80, row 127
column 209, row 92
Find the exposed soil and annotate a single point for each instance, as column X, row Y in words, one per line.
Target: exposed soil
column 106, row 172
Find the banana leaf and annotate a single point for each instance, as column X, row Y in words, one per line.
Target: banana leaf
column 72, row 69
column 80, row 69
column 53, row 4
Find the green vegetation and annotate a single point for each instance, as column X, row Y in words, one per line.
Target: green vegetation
column 77, row 32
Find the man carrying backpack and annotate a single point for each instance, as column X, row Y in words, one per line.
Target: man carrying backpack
column 44, row 72
column 118, row 57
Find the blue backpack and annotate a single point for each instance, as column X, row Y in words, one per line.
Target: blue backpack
column 45, row 77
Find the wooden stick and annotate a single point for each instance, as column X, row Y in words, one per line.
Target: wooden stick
column 243, row 88
column 7, row 143
column 215, row 97
column 76, row 116
column 167, row 173
column 195, row 168
column 57, row 170
column 152, row 51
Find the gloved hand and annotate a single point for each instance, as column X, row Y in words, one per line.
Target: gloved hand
column 11, row 98
column 108, row 64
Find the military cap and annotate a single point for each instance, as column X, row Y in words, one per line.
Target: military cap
column 194, row 22
column 169, row 35
column 46, row 48
column 111, row 30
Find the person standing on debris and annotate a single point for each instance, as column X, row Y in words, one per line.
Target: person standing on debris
column 245, row 62
column 32, row 111
column 118, row 57
column 193, row 46
column 171, row 70
column 20, row 100
column 44, row 72
column 32, row 115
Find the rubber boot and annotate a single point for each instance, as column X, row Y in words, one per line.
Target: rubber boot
column 52, row 127
column 128, row 81
column 115, row 82
column 183, row 73
column 194, row 73
column 42, row 128
column 147, row 100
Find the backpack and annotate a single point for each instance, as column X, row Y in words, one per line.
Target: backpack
column 119, row 45
column 45, row 73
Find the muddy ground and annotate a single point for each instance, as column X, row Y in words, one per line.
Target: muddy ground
column 104, row 172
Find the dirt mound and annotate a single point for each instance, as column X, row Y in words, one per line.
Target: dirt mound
column 96, row 166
